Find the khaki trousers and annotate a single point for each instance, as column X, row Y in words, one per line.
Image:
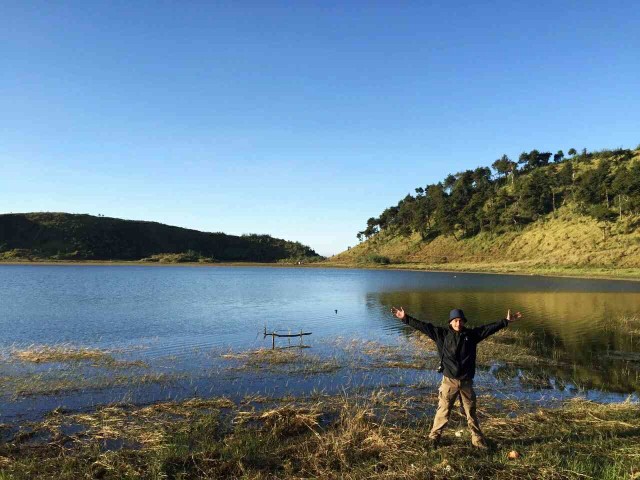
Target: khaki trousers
column 447, row 394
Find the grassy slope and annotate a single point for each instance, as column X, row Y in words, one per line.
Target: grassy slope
column 561, row 243
column 566, row 243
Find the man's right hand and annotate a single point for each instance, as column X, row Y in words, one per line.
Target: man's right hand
column 398, row 312
column 512, row 317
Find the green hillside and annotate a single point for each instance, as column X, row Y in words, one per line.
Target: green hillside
column 581, row 212
column 64, row 236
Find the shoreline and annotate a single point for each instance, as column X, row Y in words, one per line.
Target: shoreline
column 631, row 274
column 346, row 436
column 356, row 433
column 579, row 273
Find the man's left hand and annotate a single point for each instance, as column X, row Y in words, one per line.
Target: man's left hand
column 512, row 317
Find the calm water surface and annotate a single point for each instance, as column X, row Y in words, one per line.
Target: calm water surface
column 180, row 312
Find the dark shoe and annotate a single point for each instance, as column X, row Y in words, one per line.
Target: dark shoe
column 434, row 442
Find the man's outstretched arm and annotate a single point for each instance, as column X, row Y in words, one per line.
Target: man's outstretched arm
column 429, row 329
column 485, row 330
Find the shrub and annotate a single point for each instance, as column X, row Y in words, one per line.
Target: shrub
column 379, row 259
column 602, row 213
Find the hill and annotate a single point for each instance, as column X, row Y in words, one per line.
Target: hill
column 64, row 236
column 578, row 213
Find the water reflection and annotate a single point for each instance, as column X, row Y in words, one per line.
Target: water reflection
column 581, row 330
column 173, row 318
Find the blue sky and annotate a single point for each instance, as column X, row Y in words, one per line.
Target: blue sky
column 298, row 119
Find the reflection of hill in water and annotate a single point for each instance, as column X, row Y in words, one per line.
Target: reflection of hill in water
column 584, row 330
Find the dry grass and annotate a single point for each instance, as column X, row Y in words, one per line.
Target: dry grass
column 285, row 420
column 59, row 353
column 66, row 353
column 630, row 324
column 357, row 436
column 142, row 427
column 333, row 437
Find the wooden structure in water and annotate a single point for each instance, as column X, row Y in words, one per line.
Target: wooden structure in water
column 273, row 336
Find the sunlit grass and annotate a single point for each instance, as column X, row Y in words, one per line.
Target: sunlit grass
column 59, row 353
column 630, row 324
column 343, row 436
column 561, row 244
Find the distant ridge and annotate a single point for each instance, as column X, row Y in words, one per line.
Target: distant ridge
column 65, row 236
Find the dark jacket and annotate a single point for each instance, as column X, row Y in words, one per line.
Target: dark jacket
column 458, row 350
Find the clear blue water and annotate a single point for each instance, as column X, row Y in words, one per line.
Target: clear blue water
column 185, row 313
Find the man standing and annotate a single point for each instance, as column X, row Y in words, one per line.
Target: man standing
column 457, row 349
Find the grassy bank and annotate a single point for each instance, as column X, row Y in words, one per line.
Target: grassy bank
column 564, row 243
column 378, row 435
column 505, row 268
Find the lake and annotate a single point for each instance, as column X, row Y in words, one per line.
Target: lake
column 180, row 327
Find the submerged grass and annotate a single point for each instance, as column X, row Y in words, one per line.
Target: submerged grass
column 291, row 361
column 67, row 353
column 511, row 354
column 44, row 370
column 348, row 436
column 355, row 435
column 509, row 346
column 43, row 384
column 357, row 354
column 59, row 353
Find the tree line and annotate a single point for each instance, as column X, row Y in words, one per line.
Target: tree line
column 510, row 194
column 64, row 236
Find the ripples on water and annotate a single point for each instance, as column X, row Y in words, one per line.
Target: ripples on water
column 171, row 317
